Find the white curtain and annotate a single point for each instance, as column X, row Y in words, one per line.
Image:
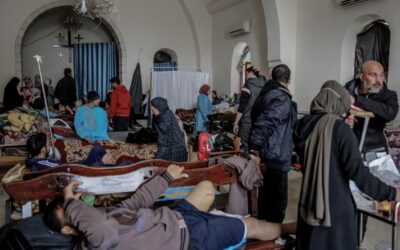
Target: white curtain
column 180, row 88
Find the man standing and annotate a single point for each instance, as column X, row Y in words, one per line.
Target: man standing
column 120, row 106
column 250, row 91
column 65, row 90
column 371, row 94
column 273, row 117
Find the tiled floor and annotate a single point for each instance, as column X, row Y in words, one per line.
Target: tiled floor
column 377, row 231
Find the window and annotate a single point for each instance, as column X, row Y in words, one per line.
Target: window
column 165, row 60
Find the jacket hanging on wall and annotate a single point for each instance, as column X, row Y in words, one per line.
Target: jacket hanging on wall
column 136, row 90
column 373, row 43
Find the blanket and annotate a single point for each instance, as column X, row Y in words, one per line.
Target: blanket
column 74, row 150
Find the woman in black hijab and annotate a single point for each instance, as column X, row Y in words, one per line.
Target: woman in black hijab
column 171, row 139
column 12, row 97
column 328, row 151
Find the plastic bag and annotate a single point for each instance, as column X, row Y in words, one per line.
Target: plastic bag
column 385, row 169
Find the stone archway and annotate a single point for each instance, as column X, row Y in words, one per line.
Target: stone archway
column 235, row 75
column 107, row 21
column 273, row 33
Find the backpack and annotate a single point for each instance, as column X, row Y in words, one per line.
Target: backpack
column 144, row 135
column 13, row 239
column 204, row 146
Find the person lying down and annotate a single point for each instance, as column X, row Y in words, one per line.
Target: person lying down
column 38, row 146
column 132, row 224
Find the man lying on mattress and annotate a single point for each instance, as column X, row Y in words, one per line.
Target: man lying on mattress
column 38, row 146
column 132, row 224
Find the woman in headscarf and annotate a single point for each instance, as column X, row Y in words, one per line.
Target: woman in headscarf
column 12, row 98
column 203, row 109
column 329, row 154
column 171, row 144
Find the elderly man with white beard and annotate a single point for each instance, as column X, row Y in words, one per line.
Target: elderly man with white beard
column 371, row 93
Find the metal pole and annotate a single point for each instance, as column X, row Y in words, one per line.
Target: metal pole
column 39, row 61
column 149, row 113
column 363, row 134
column 394, row 226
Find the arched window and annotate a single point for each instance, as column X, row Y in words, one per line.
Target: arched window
column 165, row 60
column 241, row 59
column 373, row 43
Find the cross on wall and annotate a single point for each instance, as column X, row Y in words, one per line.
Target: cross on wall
column 69, row 45
column 79, row 38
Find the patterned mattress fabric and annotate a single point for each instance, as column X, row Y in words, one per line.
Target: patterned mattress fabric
column 74, row 150
column 392, row 134
column 18, row 124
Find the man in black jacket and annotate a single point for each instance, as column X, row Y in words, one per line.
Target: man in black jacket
column 65, row 90
column 371, row 94
column 273, row 118
column 248, row 95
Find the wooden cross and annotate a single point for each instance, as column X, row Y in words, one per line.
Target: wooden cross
column 79, row 38
column 60, row 37
column 70, row 46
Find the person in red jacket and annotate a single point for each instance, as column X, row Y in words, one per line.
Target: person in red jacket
column 120, row 106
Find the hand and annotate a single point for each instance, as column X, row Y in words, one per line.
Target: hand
column 69, row 191
column 235, row 128
column 176, row 172
column 350, row 120
column 154, row 110
column 88, row 139
column 256, row 158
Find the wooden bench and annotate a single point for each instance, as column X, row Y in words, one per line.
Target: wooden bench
column 50, row 183
column 7, row 162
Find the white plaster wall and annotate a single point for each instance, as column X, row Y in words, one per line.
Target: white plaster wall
column 287, row 14
column 146, row 24
column 53, row 65
column 322, row 27
column 223, row 46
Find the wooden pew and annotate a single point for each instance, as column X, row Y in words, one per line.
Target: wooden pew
column 50, row 183
column 7, row 162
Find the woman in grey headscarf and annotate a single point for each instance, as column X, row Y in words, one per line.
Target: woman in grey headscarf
column 328, row 151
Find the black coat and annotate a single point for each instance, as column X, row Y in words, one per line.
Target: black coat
column 171, row 144
column 273, row 117
column 65, row 91
column 345, row 164
column 384, row 105
column 11, row 98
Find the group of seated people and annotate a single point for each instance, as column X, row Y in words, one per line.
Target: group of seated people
column 91, row 125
